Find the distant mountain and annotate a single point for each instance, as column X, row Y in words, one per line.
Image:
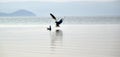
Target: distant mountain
column 18, row 13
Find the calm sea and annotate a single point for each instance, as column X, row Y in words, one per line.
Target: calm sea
column 92, row 37
column 67, row 20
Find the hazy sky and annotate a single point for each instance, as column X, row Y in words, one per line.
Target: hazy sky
column 63, row 7
column 58, row 0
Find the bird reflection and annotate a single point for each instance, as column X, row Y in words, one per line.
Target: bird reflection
column 56, row 39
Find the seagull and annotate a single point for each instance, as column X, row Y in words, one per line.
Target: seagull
column 56, row 21
column 49, row 28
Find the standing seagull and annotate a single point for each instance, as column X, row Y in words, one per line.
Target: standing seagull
column 49, row 28
column 56, row 21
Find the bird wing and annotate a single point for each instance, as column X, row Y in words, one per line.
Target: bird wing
column 60, row 21
column 52, row 16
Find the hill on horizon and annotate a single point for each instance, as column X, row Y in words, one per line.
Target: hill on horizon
column 17, row 13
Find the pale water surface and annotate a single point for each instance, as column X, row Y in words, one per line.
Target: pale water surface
column 67, row 20
column 68, row 41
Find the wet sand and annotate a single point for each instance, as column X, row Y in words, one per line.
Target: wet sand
column 67, row 41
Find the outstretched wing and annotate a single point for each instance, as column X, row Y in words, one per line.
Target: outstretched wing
column 52, row 16
column 60, row 21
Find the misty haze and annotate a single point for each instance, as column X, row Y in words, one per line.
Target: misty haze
column 59, row 28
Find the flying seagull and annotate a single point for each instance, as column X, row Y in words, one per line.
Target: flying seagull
column 56, row 21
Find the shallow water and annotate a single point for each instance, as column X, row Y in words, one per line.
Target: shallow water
column 67, row 41
column 67, row 20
